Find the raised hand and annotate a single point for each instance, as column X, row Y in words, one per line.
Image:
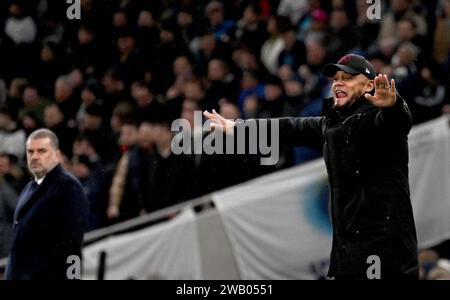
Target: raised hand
column 385, row 93
column 219, row 122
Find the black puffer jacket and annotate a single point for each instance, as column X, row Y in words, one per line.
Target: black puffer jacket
column 366, row 154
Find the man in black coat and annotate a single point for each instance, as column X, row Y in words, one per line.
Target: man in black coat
column 50, row 217
column 363, row 133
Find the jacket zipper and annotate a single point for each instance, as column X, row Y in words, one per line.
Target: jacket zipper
column 355, row 115
column 349, row 132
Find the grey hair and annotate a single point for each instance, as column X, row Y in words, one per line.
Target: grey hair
column 45, row 133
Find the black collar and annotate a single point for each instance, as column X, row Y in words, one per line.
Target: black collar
column 55, row 172
column 330, row 111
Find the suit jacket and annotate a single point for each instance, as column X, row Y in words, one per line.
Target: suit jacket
column 49, row 224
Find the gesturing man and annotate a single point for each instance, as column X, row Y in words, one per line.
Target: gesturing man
column 50, row 216
column 363, row 133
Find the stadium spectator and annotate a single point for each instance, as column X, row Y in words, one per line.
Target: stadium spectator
column 441, row 36
column 55, row 121
column 166, row 171
column 12, row 173
column 122, row 197
column 15, row 92
column 8, row 202
column 12, row 138
column 400, row 9
column 251, row 30
column 273, row 46
column 222, row 29
column 82, row 168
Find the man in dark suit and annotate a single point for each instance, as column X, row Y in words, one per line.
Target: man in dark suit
column 50, row 217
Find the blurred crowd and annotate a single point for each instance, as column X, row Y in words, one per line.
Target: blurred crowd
column 111, row 83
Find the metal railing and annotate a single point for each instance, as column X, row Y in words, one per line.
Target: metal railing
column 3, row 263
column 146, row 219
column 138, row 222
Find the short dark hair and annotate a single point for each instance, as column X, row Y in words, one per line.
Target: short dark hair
column 45, row 133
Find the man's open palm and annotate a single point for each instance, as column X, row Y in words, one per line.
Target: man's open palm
column 219, row 122
column 385, row 93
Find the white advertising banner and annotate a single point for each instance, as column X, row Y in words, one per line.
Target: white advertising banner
column 164, row 251
column 429, row 177
column 279, row 226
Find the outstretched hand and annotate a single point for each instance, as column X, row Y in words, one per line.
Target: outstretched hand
column 219, row 122
column 385, row 93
